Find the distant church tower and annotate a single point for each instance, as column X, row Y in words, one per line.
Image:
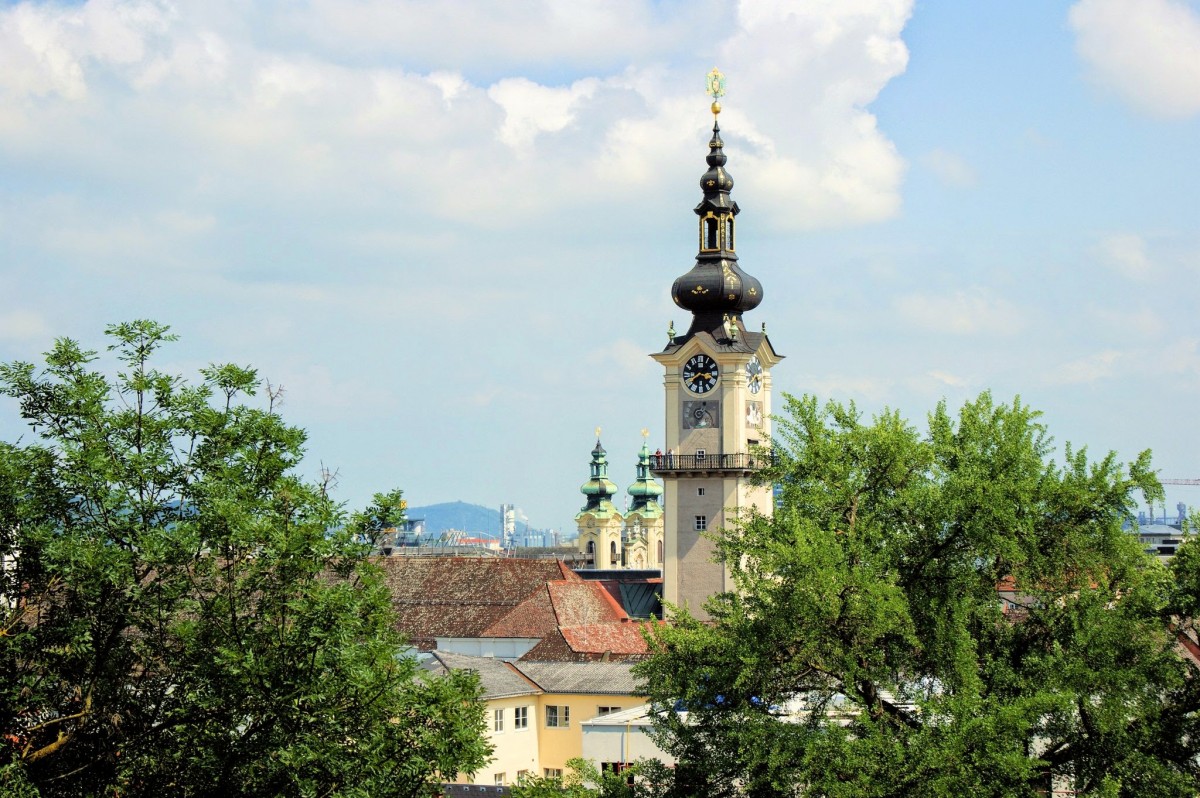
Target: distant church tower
column 599, row 521
column 644, row 545
column 718, row 394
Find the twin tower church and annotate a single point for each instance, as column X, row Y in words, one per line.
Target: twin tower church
column 717, row 386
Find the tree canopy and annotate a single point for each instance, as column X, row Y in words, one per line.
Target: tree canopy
column 181, row 614
column 940, row 613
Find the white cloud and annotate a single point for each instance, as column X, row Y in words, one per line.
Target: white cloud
column 1125, row 253
column 22, row 325
column 960, row 313
column 209, row 100
column 1092, row 368
column 1137, row 321
column 951, row 169
column 530, row 109
column 1147, row 51
column 949, row 380
column 623, row 361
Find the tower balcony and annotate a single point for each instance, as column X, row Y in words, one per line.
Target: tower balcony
column 707, row 464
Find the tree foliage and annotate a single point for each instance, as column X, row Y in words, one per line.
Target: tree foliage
column 643, row 779
column 939, row 614
column 182, row 614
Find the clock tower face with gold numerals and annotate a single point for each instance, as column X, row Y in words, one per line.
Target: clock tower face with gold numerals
column 700, row 374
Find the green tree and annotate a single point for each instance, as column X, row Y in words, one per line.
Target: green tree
column 643, row 779
column 182, row 614
column 939, row 614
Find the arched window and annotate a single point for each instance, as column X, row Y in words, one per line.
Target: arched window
column 613, row 556
column 729, row 232
column 660, row 552
column 591, row 548
column 710, row 233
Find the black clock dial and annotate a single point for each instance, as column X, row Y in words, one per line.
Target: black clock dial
column 700, row 374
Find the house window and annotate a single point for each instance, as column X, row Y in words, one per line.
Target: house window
column 500, row 780
column 701, row 523
column 498, row 720
column 699, row 491
column 606, row 710
column 558, row 717
column 521, row 718
column 522, row 775
column 553, row 773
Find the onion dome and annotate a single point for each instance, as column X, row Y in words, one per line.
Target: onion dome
column 645, row 491
column 716, row 287
column 599, row 490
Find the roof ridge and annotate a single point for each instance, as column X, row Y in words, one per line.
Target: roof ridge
column 558, row 622
column 622, row 616
column 512, row 666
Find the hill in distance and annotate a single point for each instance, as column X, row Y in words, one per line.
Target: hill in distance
column 473, row 518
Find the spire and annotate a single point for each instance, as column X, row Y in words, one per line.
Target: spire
column 645, row 490
column 716, row 287
column 599, row 489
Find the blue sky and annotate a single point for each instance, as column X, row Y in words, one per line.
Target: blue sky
column 449, row 229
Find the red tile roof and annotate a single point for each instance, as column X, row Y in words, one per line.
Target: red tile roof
column 471, row 597
column 467, row 596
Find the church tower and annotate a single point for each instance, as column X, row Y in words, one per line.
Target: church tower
column 644, row 545
column 717, row 380
column 599, row 521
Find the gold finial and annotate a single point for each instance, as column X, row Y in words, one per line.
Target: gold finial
column 597, row 433
column 645, row 432
column 714, row 86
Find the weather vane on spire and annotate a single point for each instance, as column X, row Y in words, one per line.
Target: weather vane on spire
column 715, row 87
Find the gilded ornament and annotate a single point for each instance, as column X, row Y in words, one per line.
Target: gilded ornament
column 714, row 85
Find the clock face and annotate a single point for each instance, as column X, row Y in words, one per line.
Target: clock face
column 754, row 372
column 700, row 374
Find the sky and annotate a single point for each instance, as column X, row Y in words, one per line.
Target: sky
column 449, row 229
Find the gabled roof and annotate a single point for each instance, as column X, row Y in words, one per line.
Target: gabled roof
column 580, row 602
column 498, row 678
column 466, row 597
column 623, row 639
column 470, row 596
column 608, row 678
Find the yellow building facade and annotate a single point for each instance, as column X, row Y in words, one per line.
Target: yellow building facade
column 535, row 711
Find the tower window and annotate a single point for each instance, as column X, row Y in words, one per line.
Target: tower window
column 729, row 233
column 710, row 233
column 701, row 523
column 660, row 552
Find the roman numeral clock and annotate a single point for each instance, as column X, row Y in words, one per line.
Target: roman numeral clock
column 717, row 386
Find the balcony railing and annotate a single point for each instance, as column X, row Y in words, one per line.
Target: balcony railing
column 677, row 463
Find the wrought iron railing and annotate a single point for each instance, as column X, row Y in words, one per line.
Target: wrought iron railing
column 737, row 461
